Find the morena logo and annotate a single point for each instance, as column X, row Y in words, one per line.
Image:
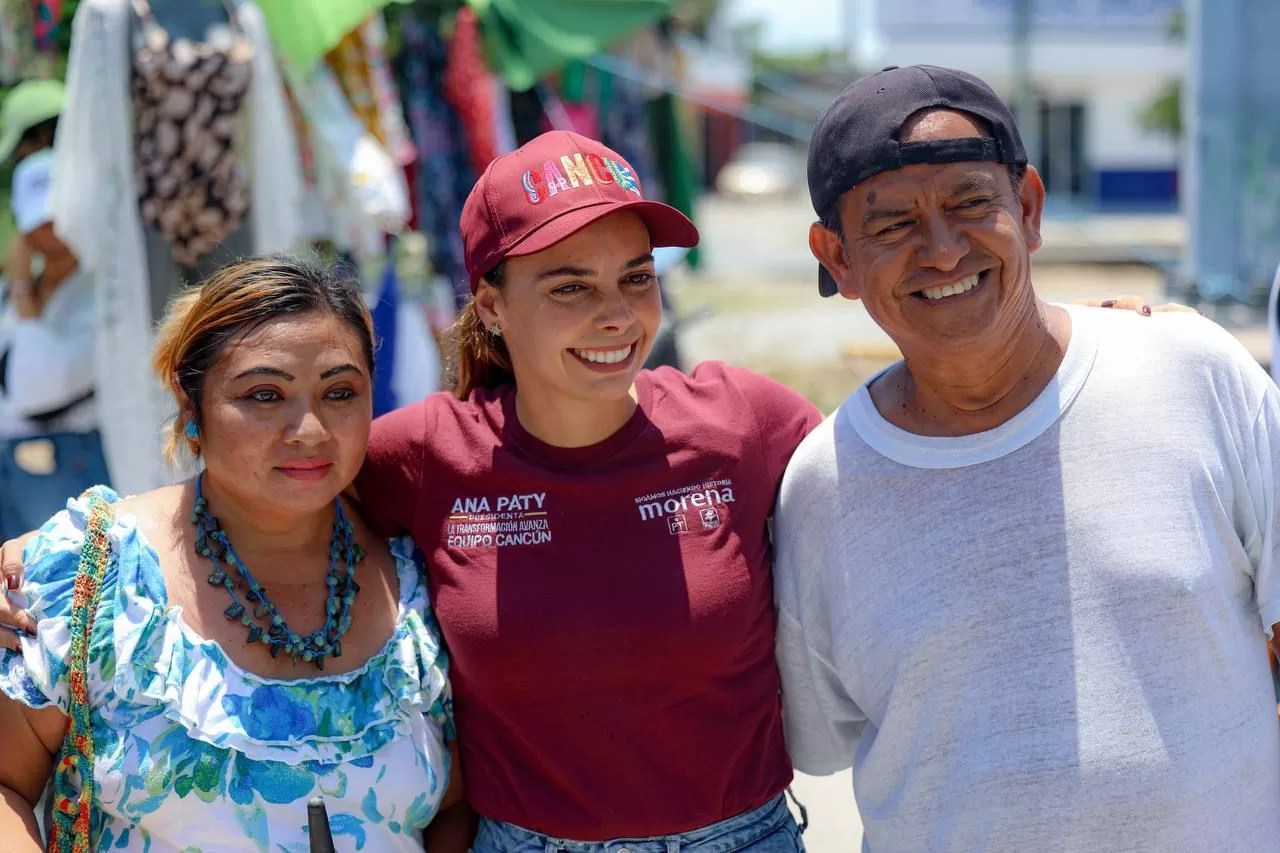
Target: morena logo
column 697, row 498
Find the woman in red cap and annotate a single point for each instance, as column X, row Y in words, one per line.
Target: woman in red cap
column 597, row 534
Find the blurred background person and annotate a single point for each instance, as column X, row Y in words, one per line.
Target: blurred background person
column 50, row 448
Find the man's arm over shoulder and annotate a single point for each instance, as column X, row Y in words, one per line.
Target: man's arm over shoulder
column 822, row 721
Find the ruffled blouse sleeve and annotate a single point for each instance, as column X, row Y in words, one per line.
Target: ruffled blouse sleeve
column 441, row 708
column 38, row 677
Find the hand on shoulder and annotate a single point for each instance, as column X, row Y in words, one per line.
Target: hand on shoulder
column 153, row 510
column 1139, row 306
column 11, row 616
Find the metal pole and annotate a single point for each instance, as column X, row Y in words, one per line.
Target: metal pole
column 850, row 22
column 1189, row 173
column 318, row 826
column 1024, row 93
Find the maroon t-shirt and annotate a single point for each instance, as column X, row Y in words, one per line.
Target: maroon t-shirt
column 608, row 609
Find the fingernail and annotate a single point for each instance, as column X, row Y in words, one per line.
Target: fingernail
column 1146, row 310
column 1108, row 303
column 12, row 581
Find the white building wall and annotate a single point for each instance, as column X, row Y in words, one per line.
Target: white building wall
column 1063, row 58
column 1110, row 56
column 1115, row 140
column 1114, row 80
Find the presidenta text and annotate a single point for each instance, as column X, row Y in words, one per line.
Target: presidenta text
column 503, row 521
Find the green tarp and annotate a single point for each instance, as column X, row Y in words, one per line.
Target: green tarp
column 525, row 39
column 528, row 39
column 305, row 30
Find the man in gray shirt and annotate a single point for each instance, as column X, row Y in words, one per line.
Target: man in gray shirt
column 1025, row 576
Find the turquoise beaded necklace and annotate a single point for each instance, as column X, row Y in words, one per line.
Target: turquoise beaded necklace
column 212, row 542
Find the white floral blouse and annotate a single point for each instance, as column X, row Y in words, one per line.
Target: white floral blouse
column 194, row 754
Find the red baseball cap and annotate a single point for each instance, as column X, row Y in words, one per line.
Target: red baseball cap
column 550, row 189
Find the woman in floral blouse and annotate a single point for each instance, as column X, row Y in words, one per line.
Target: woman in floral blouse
column 235, row 668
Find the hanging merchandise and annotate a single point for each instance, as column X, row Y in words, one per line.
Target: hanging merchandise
column 364, row 189
column 443, row 175
column 582, row 119
column 427, row 311
column 527, row 115
column 94, row 203
column 673, row 161
column 187, row 100
column 468, row 88
column 386, row 306
column 554, row 115
column 302, row 131
column 20, row 59
column 305, row 30
column 360, row 64
column 48, row 15
column 626, row 129
column 580, row 111
column 348, row 64
column 528, row 39
column 624, row 105
column 386, row 94
column 408, row 364
column 317, row 227
column 417, row 354
column 16, row 36
column 655, row 52
column 504, row 130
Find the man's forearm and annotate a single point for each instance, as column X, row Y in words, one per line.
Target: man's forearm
column 18, row 825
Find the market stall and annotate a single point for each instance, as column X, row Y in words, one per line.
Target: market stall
column 198, row 131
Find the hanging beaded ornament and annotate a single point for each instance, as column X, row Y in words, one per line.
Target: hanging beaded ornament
column 212, row 542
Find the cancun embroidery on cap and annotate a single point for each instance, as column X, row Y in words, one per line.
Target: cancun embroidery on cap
column 578, row 171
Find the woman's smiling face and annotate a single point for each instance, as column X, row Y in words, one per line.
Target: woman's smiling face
column 579, row 318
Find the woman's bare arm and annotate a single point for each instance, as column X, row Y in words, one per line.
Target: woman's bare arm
column 30, row 740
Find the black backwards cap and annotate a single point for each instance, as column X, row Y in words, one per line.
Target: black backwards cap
column 856, row 137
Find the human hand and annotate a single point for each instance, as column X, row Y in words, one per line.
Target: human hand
column 11, row 578
column 1140, row 306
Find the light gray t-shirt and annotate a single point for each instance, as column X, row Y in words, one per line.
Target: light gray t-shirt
column 1049, row 636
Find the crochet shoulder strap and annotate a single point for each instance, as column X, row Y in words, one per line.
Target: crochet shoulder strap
column 73, row 782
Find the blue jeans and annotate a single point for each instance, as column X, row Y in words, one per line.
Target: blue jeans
column 768, row 829
column 36, row 483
